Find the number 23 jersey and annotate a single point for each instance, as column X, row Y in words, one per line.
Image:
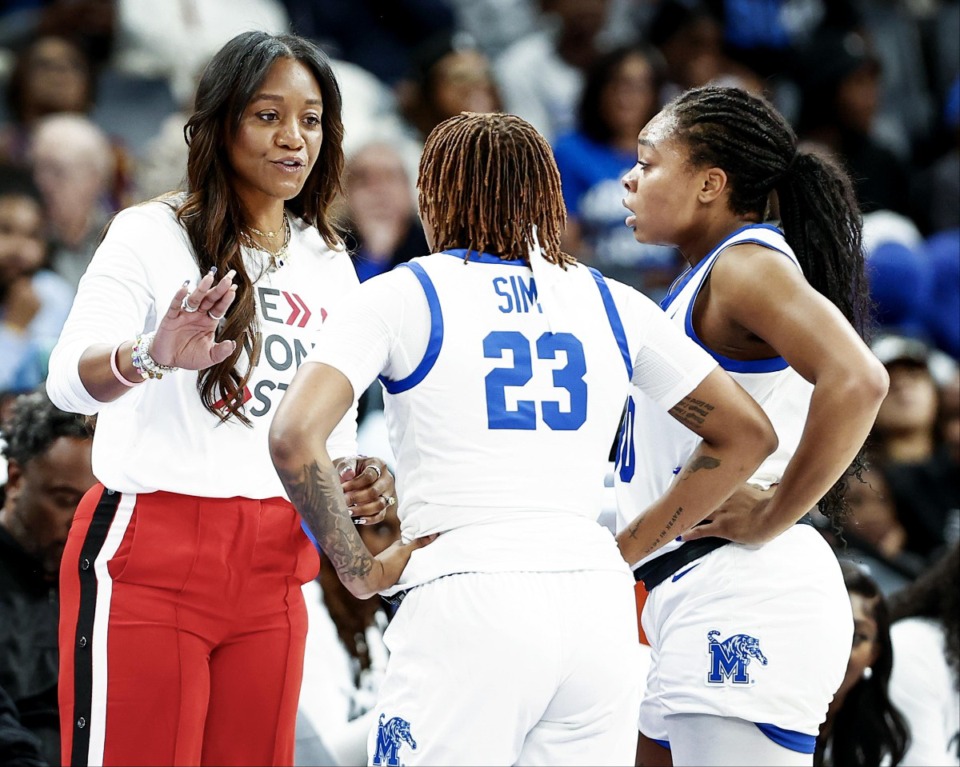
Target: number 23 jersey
column 503, row 389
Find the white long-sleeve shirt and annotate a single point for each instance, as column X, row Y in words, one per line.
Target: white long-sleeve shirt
column 158, row 435
column 924, row 688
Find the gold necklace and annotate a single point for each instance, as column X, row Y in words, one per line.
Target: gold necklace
column 278, row 257
column 269, row 235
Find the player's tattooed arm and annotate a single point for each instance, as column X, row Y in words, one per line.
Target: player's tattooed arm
column 658, row 540
column 691, row 412
column 735, row 437
column 316, row 493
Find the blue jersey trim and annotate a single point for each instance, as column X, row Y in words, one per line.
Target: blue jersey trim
column 768, row 365
column 616, row 324
column 685, row 277
column 662, row 743
column 485, row 258
column 795, row 741
column 436, row 336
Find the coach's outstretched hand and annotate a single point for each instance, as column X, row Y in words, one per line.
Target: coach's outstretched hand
column 186, row 336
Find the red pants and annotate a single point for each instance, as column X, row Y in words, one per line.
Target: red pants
column 182, row 630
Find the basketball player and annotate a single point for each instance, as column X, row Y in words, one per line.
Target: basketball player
column 750, row 640
column 505, row 368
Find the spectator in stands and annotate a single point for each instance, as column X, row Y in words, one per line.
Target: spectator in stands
column 620, row 96
column 451, row 76
column 48, row 454
column 383, row 229
column 54, row 75
column 922, row 473
column 689, row 35
column 863, row 728
column 873, row 535
column 72, row 165
column 18, row 746
column 90, row 23
column 840, row 85
column 344, row 662
column 542, row 74
column 175, row 40
column 50, row 75
column 925, row 684
column 34, row 302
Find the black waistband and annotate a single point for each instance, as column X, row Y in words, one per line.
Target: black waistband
column 657, row 570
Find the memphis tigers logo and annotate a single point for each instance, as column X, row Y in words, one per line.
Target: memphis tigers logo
column 390, row 737
column 729, row 659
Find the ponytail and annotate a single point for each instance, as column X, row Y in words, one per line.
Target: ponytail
column 821, row 221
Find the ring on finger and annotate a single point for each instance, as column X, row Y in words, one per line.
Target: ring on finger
column 389, row 499
column 185, row 305
column 376, row 469
column 213, row 316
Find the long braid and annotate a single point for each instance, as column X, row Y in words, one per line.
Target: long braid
column 485, row 180
column 745, row 136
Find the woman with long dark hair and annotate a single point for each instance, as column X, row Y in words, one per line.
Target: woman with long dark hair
column 863, row 728
column 620, row 95
column 775, row 292
column 183, row 624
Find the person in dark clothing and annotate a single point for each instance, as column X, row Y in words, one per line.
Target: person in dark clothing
column 840, row 85
column 48, row 454
column 915, row 439
column 18, row 746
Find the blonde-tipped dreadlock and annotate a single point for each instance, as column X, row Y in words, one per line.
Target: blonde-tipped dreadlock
column 485, row 181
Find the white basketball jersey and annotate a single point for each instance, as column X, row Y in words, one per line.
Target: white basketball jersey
column 520, row 410
column 654, row 446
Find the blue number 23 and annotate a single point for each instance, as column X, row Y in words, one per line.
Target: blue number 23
column 569, row 377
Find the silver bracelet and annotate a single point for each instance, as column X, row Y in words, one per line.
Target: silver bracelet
column 143, row 362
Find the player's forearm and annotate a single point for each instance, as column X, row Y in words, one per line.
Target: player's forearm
column 708, row 478
column 313, row 486
column 842, row 412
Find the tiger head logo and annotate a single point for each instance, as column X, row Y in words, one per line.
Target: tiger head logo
column 729, row 659
column 390, row 737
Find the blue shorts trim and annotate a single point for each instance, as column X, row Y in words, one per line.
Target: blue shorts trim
column 791, row 739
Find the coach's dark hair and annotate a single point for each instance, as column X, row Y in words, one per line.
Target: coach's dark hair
column 34, row 424
column 868, row 728
column 935, row 595
column 747, row 138
column 212, row 213
column 485, row 180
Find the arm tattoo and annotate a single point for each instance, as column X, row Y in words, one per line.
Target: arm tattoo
column 316, row 494
column 703, row 462
column 690, row 411
column 634, row 528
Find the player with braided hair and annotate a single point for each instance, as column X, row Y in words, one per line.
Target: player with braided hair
column 781, row 307
column 505, row 366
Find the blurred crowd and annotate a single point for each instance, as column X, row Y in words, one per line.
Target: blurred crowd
column 96, row 93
